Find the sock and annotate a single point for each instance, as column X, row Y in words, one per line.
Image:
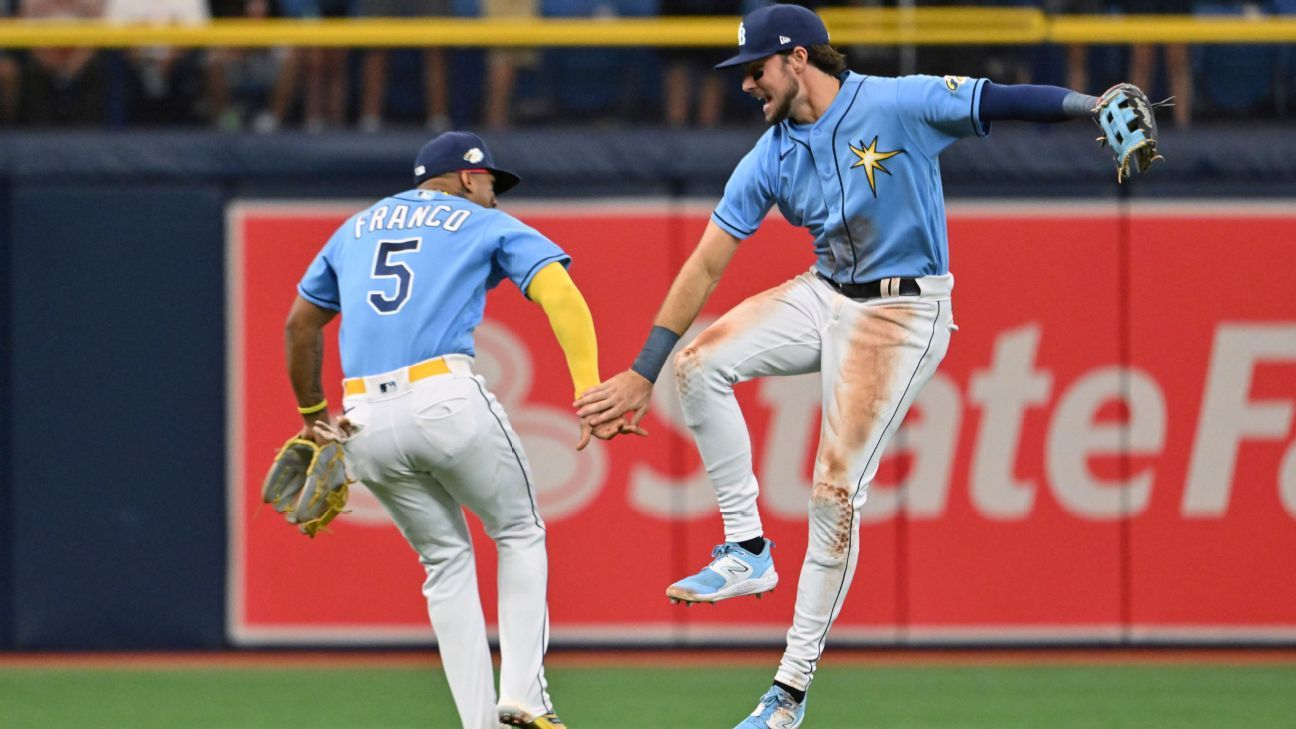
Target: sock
column 795, row 693
column 755, row 545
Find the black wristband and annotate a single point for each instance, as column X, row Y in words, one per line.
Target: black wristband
column 653, row 356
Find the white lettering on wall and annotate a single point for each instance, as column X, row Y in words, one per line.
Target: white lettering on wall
column 1287, row 480
column 1011, row 385
column 1074, row 437
column 1228, row 415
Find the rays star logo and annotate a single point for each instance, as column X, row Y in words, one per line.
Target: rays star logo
column 871, row 159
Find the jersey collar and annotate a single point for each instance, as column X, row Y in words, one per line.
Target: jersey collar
column 801, row 132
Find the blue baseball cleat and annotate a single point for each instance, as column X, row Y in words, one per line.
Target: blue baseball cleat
column 733, row 572
column 776, row 710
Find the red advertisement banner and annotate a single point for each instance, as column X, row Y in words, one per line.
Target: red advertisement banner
column 1107, row 453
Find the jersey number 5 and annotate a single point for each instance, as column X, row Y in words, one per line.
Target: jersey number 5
column 385, row 267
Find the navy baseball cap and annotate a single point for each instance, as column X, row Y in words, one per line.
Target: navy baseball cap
column 454, row 151
column 774, row 28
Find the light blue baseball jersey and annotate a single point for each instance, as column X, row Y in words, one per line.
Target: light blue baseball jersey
column 864, row 178
column 410, row 275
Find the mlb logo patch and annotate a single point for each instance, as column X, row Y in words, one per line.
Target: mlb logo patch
column 386, row 387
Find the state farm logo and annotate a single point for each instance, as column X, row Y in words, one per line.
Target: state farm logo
column 1076, row 441
column 565, row 480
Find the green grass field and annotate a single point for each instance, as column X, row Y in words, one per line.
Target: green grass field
column 598, row 697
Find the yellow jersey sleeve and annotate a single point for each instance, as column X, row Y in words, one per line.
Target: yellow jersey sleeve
column 573, row 326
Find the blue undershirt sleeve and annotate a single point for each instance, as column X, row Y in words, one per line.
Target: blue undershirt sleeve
column 1032, row 103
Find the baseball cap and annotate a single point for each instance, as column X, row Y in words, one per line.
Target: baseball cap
column 454, row 151
column 773, row 28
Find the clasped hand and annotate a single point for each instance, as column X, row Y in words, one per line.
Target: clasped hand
column 613, row 407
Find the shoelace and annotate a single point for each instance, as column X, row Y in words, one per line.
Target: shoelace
column 776, row 699
column 723, row 549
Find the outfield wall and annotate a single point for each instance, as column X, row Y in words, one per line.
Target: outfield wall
column 1112, row 429
column 1031, row 514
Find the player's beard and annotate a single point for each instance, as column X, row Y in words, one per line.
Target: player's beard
column 783, row 108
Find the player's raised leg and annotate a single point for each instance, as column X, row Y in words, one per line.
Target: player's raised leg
column 877, row 357
column 775, row 332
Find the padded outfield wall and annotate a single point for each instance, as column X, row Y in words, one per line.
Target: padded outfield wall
column 1106, row 456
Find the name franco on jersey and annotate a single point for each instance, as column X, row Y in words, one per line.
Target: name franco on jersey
column 423, row 216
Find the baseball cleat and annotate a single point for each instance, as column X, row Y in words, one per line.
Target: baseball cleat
column 516, row 716
column 776, row 710
column 733, row 572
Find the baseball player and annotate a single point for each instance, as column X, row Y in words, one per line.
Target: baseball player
column 853, row 159
column 409, row 274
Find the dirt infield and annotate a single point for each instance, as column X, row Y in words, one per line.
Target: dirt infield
column 650, row 657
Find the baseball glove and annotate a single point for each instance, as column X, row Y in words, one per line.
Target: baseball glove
column 308, row 483
column 1128, row 123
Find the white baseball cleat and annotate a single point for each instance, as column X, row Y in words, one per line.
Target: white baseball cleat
column 733, row 572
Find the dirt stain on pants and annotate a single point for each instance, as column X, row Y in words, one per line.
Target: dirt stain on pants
column 862, row 403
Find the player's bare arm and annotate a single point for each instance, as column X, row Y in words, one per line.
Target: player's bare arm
column 304, row 345
column 629, row 391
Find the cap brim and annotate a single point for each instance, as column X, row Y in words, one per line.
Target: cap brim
column 504, row 180
column 742, row 58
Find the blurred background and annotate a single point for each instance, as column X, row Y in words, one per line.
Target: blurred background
column 1106, row 460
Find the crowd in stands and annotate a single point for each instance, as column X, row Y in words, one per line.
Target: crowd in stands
column 318, row 89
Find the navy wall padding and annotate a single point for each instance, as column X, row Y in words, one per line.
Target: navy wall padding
column 1058, row 159
column 6, row 483
column 117, row 411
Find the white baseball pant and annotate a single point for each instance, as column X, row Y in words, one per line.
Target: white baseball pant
column 425, row 449
column 874, row 356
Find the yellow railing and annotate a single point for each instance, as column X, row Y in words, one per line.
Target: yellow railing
column 848, row 26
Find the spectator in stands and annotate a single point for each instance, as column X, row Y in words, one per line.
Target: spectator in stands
column 325, row 95
column 1077, row 55
column 373, row 85
column 166, row 82
column 63, row 86
column 10, row 76
column 600, row 85
column 1178, row 66
column 502, row 64
column 688, row 67
column 1004, row 63
column 246, row 74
